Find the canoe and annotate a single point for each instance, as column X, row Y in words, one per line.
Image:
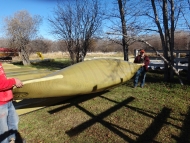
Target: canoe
column 79, row 79
column 28, row 105
column 26, row 72
column 19, row 69
column 10, row 66
column 24, row 77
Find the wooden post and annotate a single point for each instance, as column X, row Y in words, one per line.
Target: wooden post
column 177, row 62
column 136, row 52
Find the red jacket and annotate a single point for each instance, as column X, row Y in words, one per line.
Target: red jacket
column 146, row 61
column 6, row 86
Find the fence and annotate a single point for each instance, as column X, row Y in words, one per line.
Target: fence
column 180, row 63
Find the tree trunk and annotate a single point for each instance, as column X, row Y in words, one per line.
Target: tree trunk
column 24, row 57
column 172, row 39
column 124, row 30
column 167, row 40
column 163, row 39
column 188, row 72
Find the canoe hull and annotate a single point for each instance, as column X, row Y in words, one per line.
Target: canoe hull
column 82, row 78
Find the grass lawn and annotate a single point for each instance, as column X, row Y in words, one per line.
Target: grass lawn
column 157, row 113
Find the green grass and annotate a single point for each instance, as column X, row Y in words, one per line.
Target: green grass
column 159, row 112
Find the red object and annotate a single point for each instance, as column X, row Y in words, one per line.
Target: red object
column 8, row 50
column 6, row 86
column 142, row 51
column 146, row 61
column 8, row 53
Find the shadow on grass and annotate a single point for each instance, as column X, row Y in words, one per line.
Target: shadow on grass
column 75, row 100
column 185, row 130
column 151, row 132
column 10, row 132
column 148, row 136
column 157, row 76
column 39, row 103
column 153, row 76
column 99, row 118
column 49, row 64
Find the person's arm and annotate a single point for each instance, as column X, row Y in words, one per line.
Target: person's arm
column 18, row 83
column 146, row 62
column 6, row 84
column 136, row 59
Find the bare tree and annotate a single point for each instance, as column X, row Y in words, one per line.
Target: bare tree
column 124, row 29
column 76, row 22
column 37, row 45
column 3, row 42
column 20, row 29
column 123, row 20
column 187, row 22
column 161, row 16
column 171, row 13
column 165, row 36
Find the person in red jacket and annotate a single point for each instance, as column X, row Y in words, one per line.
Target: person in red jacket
column 142, row 58
column 8, row 116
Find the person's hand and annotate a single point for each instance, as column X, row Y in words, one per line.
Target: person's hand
column 143, row 64
column 18, row 83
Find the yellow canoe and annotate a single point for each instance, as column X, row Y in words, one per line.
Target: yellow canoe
column 27, row 72
column 9, row 66
column 19, row 69
column 25, row 77
column 28, row 105
column 82, row 78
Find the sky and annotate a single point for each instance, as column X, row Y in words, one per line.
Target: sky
column 43, row 8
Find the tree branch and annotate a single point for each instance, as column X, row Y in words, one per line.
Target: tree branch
column 164, row 59
column 174, row 69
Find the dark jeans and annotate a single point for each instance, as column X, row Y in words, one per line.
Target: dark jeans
column 140, row 73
